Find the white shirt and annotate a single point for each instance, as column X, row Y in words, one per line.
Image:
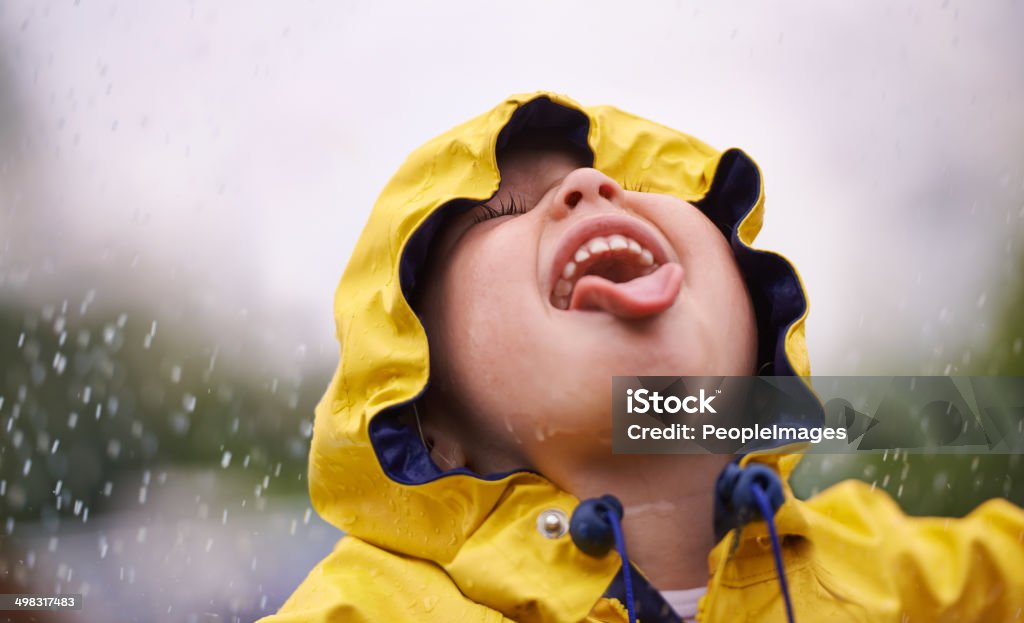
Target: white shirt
column 684, row 602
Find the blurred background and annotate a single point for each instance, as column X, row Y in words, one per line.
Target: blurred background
column 181, row 184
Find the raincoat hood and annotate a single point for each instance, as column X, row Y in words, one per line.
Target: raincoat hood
column 371, row 476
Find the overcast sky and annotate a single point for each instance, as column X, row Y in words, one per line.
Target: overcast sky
column 227, row 153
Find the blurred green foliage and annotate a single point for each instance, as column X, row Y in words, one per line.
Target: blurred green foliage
column 87, row 397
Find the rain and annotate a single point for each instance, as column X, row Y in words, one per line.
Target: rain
column 181, row 186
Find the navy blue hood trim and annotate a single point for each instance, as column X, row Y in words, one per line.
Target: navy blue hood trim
column 772, row 282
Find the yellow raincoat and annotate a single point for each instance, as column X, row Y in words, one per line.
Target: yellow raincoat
column 427, row 545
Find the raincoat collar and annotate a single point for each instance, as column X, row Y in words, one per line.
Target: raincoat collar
column 509, row 565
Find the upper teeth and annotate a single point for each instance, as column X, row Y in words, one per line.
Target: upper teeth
column 597, row 246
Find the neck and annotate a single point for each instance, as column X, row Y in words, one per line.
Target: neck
column 669, row 504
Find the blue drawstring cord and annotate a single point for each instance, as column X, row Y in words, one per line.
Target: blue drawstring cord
column 769, row 516
column 620, row 545
column 596, row 526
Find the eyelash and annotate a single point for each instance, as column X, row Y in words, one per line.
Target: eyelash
column 486, row 212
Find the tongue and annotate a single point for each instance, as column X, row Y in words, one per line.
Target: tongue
column 639, row 298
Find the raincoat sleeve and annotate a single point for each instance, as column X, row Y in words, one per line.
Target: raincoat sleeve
column 359, row 583
column 928, row 568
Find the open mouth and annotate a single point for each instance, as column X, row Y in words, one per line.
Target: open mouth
column 616, row 258
column 612, row 264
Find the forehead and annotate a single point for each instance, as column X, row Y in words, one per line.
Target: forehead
column 532, row 163
column 528, row 175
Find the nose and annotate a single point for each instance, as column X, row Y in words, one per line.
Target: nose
column 587, row 186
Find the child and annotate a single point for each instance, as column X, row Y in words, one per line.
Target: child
column 544, row 247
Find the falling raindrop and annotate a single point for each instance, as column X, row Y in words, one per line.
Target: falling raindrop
column 225, row 459
column 60, row 363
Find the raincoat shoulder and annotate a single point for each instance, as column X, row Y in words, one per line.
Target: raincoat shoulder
column 359, row 582
column 851, row 554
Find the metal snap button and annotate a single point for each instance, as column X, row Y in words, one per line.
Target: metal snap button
column 552, row 523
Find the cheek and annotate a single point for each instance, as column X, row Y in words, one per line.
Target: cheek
column 489, row 310
column 714, row 292
column 732, row 314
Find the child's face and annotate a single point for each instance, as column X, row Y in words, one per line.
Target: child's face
column 522, row 358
